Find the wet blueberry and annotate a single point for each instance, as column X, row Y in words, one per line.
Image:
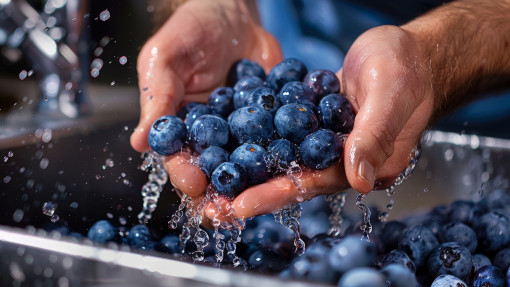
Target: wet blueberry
column 321, row 149
column 167, row 135
column 139, row 237
column 208, row 130
column 251, row 125
column 242, row 89
column 350, row 253
column 229, row 179
column 221, row 101
column 196, row 112
column 493, row 231
column 102, row 231
column 244, row 68
column 171, row 244
column 263, row 97
column 399, row 276
column 448, row 281
column 363, row 277
column 450, row 258
column 462, row 234
column 211, row 158
column 289, row 70
column 391, row 233
column 322, row 83
column 281, row 153
column 295, row 121
column 295, row 92
column 399, row 257
column 185, row 110
column 479, row 261
column 252, row 158
column 489, row 276
column 502, row 259
column 418, row 242
column 336, row 114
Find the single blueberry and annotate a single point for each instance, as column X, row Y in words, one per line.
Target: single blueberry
column 295, row 121
column 295, row 92
column 289, row 70
column 196, row 112
column 450, row 258
column 221, row 101
column 167, row 135
column 448, row 281
column 391, row 233
column 418, row 242
column 281, row 153
column 244, row 68
column 399, row 257
column 462, row 234
column 502, row 259
column 102, row 231
column 493, row 231
column 263, row 97
column 251, row 125
column 208, row 130
column 350, row 253
column 139, row 237
column 181, row 114
column 267, row 261
column 489, row 276
column 322, row 83
column 313, row 265
column 211, row 158
column 171, row 244
column 399, row 276
column 363, row 277
column 243, row 87
column 336, row 114
column 479, row 260
column 461, row 211
column 253, row 159
column 321, row 149
column 229, row 179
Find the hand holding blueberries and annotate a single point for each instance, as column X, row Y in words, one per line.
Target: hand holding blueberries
column 397, row 79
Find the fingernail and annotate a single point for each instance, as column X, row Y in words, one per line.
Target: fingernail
column 367, row 173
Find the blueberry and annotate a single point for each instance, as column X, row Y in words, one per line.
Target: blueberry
column 489, row 276
column 229, row 179
column 221, row 101
column 462, row 234
column 182, row 112
column 418, row 242
column 336, row 114
column 262, row 236
column 263, row 97
column 267, row 261
column 171, row 244
column 102, row 231
column 493, row 231
column 391, row 233
column 244, row 68
column 322, row 83
column 289, row 70
column 167, row 135
column 208, row 130
column 196, row 112
column 350, row 253
column 502, row 259
column 243, row 87
column 295, row 121
column 461, row 211
column 448, row 281
column 313, row 265
column 251, row 125
column 399, row 276
column 211, row 158
column 479, row 260
column 363, row 277
column 252, row 158
column 281, row 153
column 139, row 237
column 321, row 149
column 399, row 257
column 450, row 258
column 295, row 92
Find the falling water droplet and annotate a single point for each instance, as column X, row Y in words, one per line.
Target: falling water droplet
column 336, row 204
column 49, row 208
column 366, row 227
column 23, row 75
column 123, row 60
column 104, row 15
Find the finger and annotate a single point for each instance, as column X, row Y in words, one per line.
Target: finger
column 279, row 192
column 184, row 175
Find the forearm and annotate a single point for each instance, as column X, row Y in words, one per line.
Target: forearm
column 466, row 49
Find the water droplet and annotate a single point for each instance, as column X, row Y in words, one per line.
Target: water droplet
column 109, row 215
column 97, row 63
column 18, row 214
column 109, row 162
column 44, row 163
column 47, row 135
column 448, row 154
column 7, row 179
column 122, row 220
column 30, row 73
column 23, row 75
column 105, row 15
column 98, row 176
column 94, row 73
column 112, row 83
column 235, row 41
column 123, row 60
column 98, row 51
column 73, row 204
column 49, row 208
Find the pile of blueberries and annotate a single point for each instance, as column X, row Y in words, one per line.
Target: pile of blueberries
column 260, row 125
column 460, row 244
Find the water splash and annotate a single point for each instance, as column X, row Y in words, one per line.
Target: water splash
column 415, row 156
column 383, row 217
column 336, row 203
column 289, row 217
column 151, row 190
column 235, row 237
column 366, row 227
column 179, row 213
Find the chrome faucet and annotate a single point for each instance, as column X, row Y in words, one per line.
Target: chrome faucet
column 55, row 42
